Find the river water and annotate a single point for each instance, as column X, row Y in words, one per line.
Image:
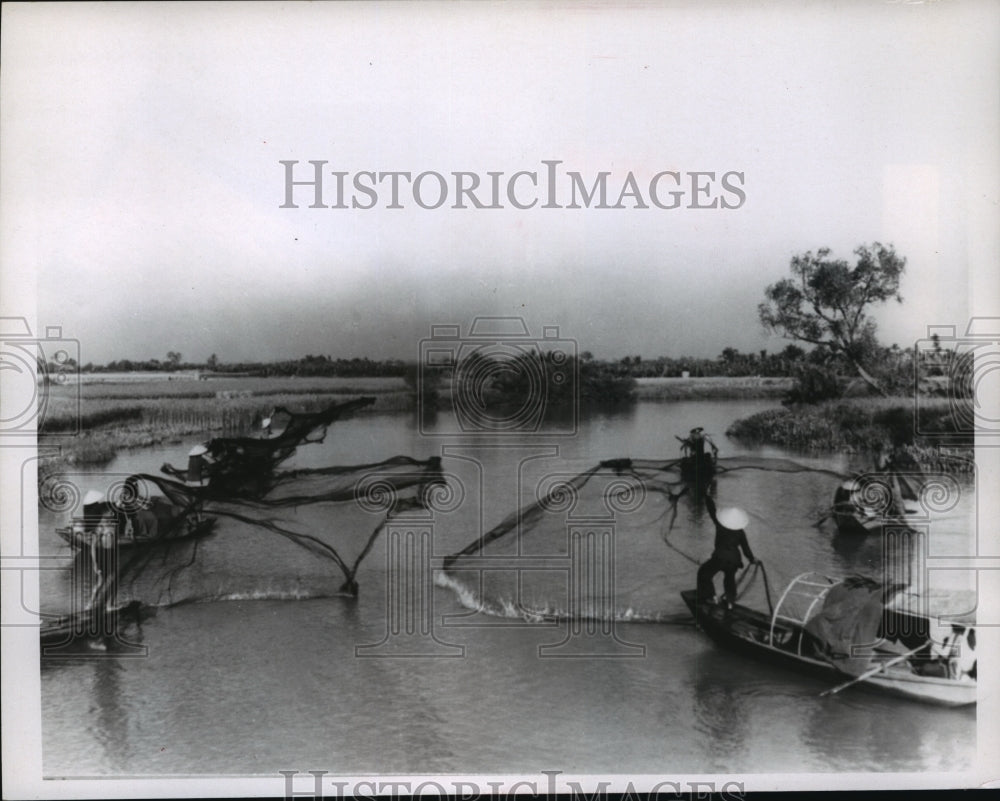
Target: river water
column 254, row 687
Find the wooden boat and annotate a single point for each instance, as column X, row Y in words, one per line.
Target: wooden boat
column 858, row 523
column 68, row 632
column 698, row 469
column 170, row 523
column 853, row 517
column 786, row 638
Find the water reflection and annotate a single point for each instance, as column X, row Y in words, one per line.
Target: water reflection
column 721, row 707
column 856, row 552
column 111, row 724
column 276, row 679
column 861, row 728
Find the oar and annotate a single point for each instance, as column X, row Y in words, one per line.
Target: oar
column 823, row 517
column 878, row 669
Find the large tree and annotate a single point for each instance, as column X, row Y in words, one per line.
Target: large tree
column 826, row 302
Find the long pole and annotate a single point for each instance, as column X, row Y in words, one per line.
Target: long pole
column 869, row 673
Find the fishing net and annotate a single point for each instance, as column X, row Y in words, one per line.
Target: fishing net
column 245, row 466
column 622, row 539
column 252, row 531
column 305, row 537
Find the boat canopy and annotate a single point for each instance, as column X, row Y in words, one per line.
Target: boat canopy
column 957, row 607
column 802, row 598
column 846, row 628
column 841, row 616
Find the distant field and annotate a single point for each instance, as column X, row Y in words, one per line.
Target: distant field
column 225, row 402
column 709, row 387
column 129, row 386
column 229, row 404
column 128, row 412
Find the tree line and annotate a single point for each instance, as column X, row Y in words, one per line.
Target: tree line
column 731, row 362
column 824, row 308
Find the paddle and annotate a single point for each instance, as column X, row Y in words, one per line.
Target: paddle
column 824, row 517
column 869, row 673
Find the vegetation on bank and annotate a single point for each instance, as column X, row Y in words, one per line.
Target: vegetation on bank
column 555, row 381
column 928, row 430
column 824, row 305
column 731, row 363
column 711, row 388
column 91, row 424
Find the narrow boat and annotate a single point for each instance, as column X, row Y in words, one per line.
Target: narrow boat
column 698, row 469
column 824, row 627
column 158, row 521
column 88, row 627
column 893, row 506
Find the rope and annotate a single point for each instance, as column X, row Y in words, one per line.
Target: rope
column 672, row 510
column 666, row 534
column 741, row 592
column 757, row 567
column 767, row 588
column 824, row 516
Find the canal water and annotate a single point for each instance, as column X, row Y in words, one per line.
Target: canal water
column 338, row 684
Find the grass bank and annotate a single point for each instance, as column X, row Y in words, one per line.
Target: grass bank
column 92, row 423
column 855, row 426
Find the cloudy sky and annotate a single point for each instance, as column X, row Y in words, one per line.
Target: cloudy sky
column 142, row 182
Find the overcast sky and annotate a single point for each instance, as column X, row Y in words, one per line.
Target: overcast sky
column 142, row 184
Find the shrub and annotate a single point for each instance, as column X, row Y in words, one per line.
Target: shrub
column 814, row 384
column 424, row 382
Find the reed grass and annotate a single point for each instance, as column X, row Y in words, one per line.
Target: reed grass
column 857, row 425
column 92, row 427
column 259, row 387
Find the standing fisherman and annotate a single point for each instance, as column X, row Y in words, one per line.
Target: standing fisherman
column 730, row 539
column 103, row 558
column 694, row 444
column 697, row 466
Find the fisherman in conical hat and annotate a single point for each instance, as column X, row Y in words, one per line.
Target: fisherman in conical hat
column 199, row 463
column 694, row 443
column 730, row 540
column 95, row 506
column 92, row 497
column 843, row 498
column 100, row 525
column 103, row 559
